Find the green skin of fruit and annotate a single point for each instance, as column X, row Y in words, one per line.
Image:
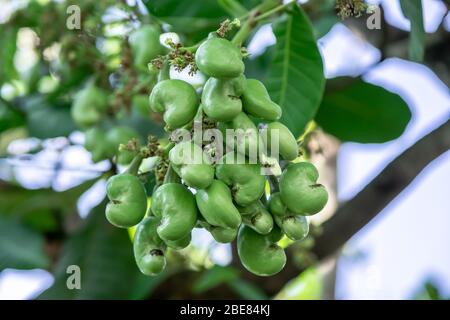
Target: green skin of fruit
column 175, row 205
column 145, row 46
column 257, row 217
column 258, row 254
column 191, row 164
column 179, row 244
column 177, row 100
column 256, row 101
column 220, row 234
column 276, row 205
column 246, row 180
column 128, row 200
column 89, row 106
column 299, row 190
column 248, row 142
column 216, row 206
column 219, row 58
column 220, row 98
column 276, row 234
column 287, row 144
column 121, row 135
column 148, row 247
column 294, row 227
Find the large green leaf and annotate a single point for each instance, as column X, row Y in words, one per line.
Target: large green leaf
column 194, row 18
column 20, row 246
column 296, row 79
column 412, row 9
column 104, row 255
column 363, row 112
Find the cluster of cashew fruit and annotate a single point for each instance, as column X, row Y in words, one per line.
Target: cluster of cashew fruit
column 227, row 198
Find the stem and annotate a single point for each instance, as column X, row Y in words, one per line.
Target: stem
column 171, row 176
column 164, row 73
column 135, row 164
column 274, row 186
column 253, row 18
column 274, row 10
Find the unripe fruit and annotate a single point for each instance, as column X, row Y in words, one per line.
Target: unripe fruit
column 219, row 58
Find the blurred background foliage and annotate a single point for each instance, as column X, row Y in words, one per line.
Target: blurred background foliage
column 51, row 193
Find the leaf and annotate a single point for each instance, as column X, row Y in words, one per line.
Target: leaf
column 20, row 202
column 8, row 45
column 307, row 286
column 363, row 112
column 104, row 255
column 213, row 277
column 296, row 79
column 20, row 246
column 10, row 117
column 247, row 290
column 48, row 122
column 195, row 18
column 412, row 9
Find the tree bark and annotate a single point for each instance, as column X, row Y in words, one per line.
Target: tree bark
column 353, row 215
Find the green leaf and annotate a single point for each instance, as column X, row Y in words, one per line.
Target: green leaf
column 10, row 117
column 48, row 122
column 20, row 246
column 8, row 45
column 307, row 286
column 363, row 112
column 412, row 9
column 213, row 277
column 18, row 202
column 247, row 290
column 194, row 18
column 104, row 255
column 296, row 79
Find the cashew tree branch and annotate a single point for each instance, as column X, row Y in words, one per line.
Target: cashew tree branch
column 353, row 215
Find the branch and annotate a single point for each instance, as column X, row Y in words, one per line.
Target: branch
column 353, row 215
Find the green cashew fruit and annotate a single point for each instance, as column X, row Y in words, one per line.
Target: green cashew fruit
column 276, row 205
column 257, row 217
column 175, row 205
column 287, row 144
column 121, row 135
column 95, row 142
column 300, row 191
column 220, row 98
column 258, row 253
column 89, row 106
column 179, row 244
column 148, row 247
column 245, row 134
column 294, row 227
column 219, row 58
column 276, row 234
column 223, row 235
column 256, row 101
column 128, row 200
column 216, row 206
column 191, row 163
column 220, row 234
column 246, row 181
column 145, row 46
column 178, row 101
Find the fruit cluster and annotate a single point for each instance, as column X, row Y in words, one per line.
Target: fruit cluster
column 225, row 197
